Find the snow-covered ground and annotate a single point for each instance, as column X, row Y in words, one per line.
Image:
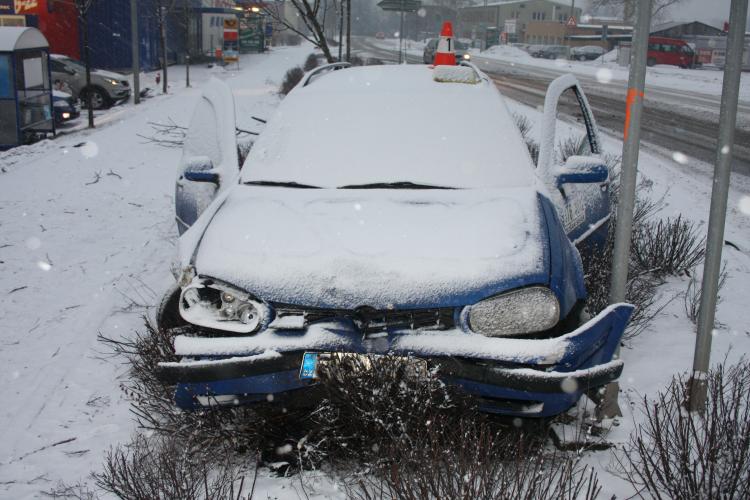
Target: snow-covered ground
column 412, row 47
column 87, row 235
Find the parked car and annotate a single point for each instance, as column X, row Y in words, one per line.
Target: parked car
column 552, row 52
column 107, row 87
column 521, row 46
column 461, row 49
column 65, row 107
column 586, row 53
column 380, row 35
column 670, row 51
column 416, row 248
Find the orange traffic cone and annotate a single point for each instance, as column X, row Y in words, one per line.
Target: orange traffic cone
column 445, row 54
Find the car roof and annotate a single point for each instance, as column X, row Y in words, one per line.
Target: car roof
column 391, row 123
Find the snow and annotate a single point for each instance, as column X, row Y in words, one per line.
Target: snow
column 313, row 247
column 388, row 136
column 455, row 74
column 106, row 246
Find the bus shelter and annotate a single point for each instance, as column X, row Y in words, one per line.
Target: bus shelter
column 26, row 113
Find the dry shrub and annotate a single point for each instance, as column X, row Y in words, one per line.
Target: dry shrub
column 155, row 468
column 310, row 63
column 694, row 292
column 291, row 79
column 372, row 404
column 666, row 246
column 678, row 454
column 469, row 461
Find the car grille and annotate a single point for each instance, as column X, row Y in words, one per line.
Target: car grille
column 369, row 320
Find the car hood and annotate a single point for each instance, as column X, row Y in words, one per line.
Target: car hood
column 377, row 248
column 108, row 74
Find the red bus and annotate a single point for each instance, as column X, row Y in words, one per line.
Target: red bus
column 670, row 51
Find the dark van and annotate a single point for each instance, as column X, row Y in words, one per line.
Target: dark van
column 670, row 51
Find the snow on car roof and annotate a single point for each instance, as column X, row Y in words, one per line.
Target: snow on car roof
column 388, row 124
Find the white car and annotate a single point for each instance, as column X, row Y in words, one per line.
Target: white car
column 388, row 209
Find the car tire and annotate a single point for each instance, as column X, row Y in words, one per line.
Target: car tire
column 651, row 61
column 168, row 312
column 99, row 98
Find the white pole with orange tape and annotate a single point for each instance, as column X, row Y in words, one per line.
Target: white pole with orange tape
column 445, row 55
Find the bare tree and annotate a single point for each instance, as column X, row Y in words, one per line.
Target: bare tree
column 82, row 8
column 163, row 8
column 658, row 8
column 312, row 15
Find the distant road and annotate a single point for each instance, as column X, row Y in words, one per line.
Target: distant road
column 667, row 120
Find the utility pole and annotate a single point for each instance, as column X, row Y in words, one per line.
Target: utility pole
column 573, row 9
column 718, row 213
column 628, row 173
column 87, row 62
column 135, row 47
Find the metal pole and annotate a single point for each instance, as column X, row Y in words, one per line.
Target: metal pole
column 628, row 173
column 135, row 47
column 717, row 217
column 187, row 43
column 341, row 26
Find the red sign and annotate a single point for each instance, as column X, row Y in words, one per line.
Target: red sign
column 231, row 30
column 26, row 6
column 571, row 22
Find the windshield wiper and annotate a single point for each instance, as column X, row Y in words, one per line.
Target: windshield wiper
column 289, row 184
column 393, row 185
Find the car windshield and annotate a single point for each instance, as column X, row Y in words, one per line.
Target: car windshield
column 462, row 45
column 387, row 127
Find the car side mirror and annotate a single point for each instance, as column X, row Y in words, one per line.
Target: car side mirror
column 581, row 170
column 200, row 169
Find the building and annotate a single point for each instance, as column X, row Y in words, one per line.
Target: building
column 510, row 20
column 686, row 30
column 606, row 33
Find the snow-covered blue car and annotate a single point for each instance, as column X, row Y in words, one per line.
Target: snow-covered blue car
column 390, row 209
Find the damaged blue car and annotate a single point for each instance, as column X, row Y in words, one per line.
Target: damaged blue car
column 390, row 210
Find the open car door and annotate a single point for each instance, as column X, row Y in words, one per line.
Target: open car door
column 573, row 168
column 209, row 163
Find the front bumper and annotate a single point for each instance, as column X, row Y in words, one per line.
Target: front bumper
column 515, row 377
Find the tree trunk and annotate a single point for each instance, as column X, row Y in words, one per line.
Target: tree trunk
column 163, row 43
column 341, row 27
column 187, row 44
column 87, row 63
column 348, row 30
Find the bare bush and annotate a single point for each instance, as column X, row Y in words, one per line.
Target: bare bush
column 679, row 454
column 467, row 461
column 692, row 297
column 571, row 146
column 310, row 63
column 377, row 403
column 291, row 79
column 667, row 246
column 161, row 468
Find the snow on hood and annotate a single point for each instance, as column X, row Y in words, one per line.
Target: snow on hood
column 379, row 248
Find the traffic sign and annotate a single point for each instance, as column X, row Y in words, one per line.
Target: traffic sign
column 571, row 22
column 400, row 5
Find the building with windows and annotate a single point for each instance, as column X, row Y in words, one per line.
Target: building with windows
column 510, row 19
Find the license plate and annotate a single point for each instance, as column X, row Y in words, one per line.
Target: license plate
column 308, row 369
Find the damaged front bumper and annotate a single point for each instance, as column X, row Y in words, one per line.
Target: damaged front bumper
column 515, row 377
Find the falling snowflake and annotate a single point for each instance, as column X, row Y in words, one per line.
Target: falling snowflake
column 604, row 75
column 680, row 158
column 745, row 205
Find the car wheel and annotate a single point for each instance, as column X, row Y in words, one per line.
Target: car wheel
column 168, row 313
column 651, row 61
column 99, row 100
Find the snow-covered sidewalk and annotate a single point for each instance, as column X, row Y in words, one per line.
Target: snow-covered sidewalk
column 86, row 238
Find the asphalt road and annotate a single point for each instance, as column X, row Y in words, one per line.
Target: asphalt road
column 668, row 121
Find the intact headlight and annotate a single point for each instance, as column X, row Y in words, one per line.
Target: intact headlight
column 526, row 310
column 214, row 305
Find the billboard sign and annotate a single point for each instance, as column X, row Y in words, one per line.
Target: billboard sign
column 251, row 34
column 510, row 26
column 26, row 6
column 6, row 7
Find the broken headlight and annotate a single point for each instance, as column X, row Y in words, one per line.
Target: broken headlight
column 214, row 305
column 526, row 310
